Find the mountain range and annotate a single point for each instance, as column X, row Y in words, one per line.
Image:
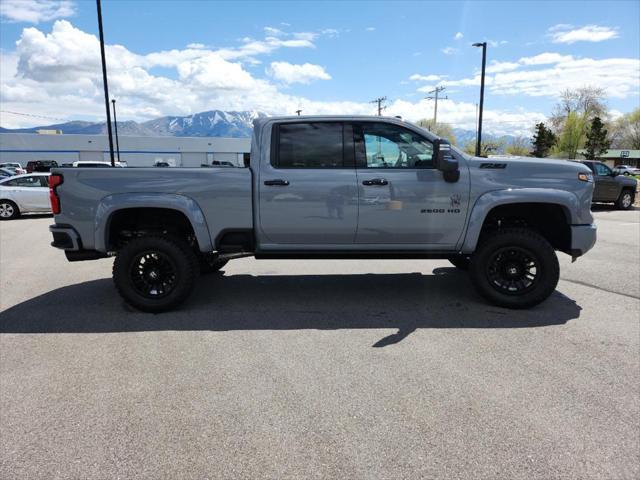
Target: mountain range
column 213, row 123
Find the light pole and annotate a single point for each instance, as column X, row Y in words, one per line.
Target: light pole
column 484, row 63
column 104, row 83
column 115, row 124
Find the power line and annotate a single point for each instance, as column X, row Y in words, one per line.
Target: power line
column 34, row 116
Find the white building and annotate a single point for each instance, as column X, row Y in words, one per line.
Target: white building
column 135, row 151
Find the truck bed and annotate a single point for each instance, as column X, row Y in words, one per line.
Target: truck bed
column 222, row 195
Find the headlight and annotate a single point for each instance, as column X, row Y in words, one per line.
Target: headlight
column 585, row 177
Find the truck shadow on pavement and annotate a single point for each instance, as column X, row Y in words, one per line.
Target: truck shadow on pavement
column 402, row 301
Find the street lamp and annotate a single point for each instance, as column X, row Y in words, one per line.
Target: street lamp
column 484, row 62
column 115, row 124
column 104, row 81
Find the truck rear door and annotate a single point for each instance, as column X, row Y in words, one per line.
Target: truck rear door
column 307, row 190
column 403, row 199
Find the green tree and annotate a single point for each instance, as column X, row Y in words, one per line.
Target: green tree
column 597, row 142
column 543, row 140
column 572, row 136
column 588, row 101
column 625, row 131
column 440, row 129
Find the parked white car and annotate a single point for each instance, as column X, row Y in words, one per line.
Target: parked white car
column 24, row 194
column 96, row 164
column 14, row 167
column 626, row 170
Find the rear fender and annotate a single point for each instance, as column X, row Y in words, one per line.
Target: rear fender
column 113, row 203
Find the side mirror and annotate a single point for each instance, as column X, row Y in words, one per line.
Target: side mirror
column 445, row 162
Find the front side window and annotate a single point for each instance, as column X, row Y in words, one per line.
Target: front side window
column 391, row 146
column 310, row 145
column 602, row 170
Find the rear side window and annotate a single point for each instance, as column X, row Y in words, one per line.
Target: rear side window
column 310, row 145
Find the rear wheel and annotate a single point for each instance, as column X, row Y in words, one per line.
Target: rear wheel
column 515, row 268
column 8, row 210
column 460, row 261
column 625, row 200
column 155, row 273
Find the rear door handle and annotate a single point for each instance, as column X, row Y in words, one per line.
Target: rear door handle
column 276, row 183
column 375, row 182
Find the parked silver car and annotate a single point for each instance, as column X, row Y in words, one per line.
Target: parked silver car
column 24, row 194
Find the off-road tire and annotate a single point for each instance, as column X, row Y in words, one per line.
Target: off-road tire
column 516, row 240
column 182, row 266
column 460, row 261
column 210, row 263
column 625, row 200
column 10, row 208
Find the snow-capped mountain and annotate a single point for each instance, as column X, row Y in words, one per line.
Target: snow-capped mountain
column 214, row 123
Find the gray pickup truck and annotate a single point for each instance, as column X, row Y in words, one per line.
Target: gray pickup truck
column 330, row 187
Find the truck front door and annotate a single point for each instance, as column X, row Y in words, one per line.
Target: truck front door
column 403, row 199
column 307, row 186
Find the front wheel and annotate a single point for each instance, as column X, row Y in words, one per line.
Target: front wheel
column 155, row 273
column 625, row 200
column 515, row 268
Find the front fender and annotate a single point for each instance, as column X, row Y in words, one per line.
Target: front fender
column 486, row 202
column 113, row 203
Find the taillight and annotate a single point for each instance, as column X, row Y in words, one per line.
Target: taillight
column 55, row 179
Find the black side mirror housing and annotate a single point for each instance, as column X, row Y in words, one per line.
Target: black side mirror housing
column 445, row 161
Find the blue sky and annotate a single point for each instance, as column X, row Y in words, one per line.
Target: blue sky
column 324, row 57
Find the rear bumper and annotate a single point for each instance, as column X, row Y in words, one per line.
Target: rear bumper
column 583, row 238
column 65, row 238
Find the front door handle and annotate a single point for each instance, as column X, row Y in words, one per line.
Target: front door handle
column 376, row 182
column 276, row 183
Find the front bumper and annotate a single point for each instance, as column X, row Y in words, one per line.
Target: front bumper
column 583, row 238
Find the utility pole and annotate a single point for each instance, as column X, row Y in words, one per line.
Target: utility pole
column 115, row 124
column 104, row 83
column 298, row 112
column 379, row 101
column 484, row 63
column 433, row 95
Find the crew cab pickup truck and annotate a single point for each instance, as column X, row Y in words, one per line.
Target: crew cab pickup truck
column 610, row 186
column 330, row 187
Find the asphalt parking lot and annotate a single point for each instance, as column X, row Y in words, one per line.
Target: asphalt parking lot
column 319, row 369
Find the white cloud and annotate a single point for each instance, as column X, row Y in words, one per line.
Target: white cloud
column 449, row 50
column 289, row 73
column 370, row 29
column 564, row 33
column 416, row 77
column 497, row 67
column 275, row 32
column 36, row 11
column 549, row 74
column 458, row 36
column 545, row 58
